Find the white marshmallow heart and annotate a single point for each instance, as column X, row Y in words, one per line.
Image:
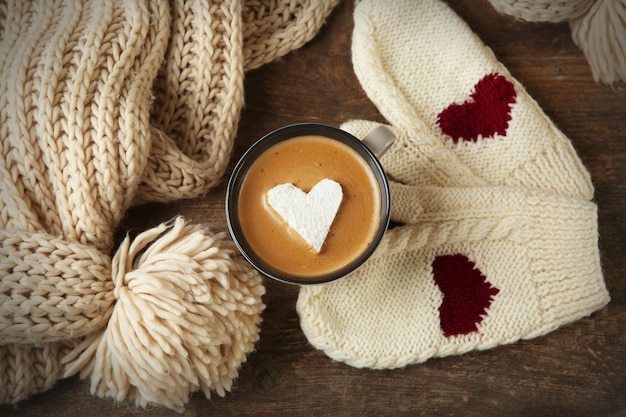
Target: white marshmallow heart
column 310, row 215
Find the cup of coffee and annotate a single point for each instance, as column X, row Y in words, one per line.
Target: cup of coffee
column 309, row 203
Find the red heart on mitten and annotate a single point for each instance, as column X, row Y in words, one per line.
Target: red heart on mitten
column 485, row 114
column 466, row 294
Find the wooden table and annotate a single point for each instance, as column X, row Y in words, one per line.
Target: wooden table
column 578, row 370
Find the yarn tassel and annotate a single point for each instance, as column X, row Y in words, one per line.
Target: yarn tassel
column 598, row 29
column 601, row 34
column 186, row 314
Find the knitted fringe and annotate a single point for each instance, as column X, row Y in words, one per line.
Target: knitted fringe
column 598, row 28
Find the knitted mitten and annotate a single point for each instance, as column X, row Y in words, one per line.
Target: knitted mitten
column 497, row 238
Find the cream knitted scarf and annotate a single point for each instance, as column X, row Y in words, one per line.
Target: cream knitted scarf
column 105, row 104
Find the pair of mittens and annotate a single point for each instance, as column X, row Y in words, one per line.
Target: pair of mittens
column 498, row 234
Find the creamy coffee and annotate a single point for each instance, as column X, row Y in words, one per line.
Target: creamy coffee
column 304, row 161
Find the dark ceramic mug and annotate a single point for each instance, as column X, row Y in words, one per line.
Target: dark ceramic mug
column 247, row 209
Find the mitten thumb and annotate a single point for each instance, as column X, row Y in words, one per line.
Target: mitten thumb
column 417, row 158
column 412, row 163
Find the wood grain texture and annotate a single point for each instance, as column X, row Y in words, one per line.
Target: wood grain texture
column 578, row 370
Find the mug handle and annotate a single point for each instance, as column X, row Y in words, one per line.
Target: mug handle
column 379, row 140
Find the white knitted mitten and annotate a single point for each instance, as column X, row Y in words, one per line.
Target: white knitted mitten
column 498, row 234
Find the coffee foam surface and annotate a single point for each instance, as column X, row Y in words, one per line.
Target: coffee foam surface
column 309, row 214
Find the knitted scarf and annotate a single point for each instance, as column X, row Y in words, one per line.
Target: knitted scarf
column 105, row 104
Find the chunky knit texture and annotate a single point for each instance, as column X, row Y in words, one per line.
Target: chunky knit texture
column 497, row 238
column 105, row 104
column 598, row 28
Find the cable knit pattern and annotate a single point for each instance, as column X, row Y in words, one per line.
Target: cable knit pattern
column 543, row 10
column 75, row 91
column 199, row 92
column 272, row 29
column 497, row 238
column 109, row 103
